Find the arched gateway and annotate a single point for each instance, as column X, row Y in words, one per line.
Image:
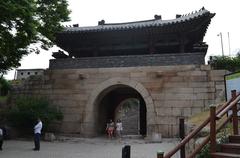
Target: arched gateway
column 149, row 72
column 119, row 98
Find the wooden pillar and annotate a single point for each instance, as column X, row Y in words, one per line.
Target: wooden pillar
column 212, row 129
column 126, row 151
column 160, row 154
column 234, row 114
column 182, row 136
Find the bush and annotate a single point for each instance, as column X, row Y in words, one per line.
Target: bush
column 222, row 138
column 24, row 114
column 4, row 86
column 224, row 62
column 205, row 152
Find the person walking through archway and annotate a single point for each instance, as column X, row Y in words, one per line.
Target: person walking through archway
column 110, row 129
column 119, row 129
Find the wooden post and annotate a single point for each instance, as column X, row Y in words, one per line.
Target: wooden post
column 160, row 154
column 234, row 114
column 212, row 129
column 126, row 151
column 182, row 136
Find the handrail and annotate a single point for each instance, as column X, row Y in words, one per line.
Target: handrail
column 207, row 139
column 228, row 107
column 199, row 128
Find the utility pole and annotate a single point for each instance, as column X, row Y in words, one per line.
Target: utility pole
column 220, row 34
column 229, row 48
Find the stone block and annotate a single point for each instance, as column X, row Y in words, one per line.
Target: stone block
column 201, row 84
column 205, row 67
column 160, row 96
column 178, row 90
column 179, row 96
column 208, row 102
column 176, row 111
column 197, row 73
column 73, row 76
column 186, row 112
column 218, row 72
column 164, row 111
column 174, row 130
column 216, row 78
column 196, row 110
column 176, row 85
column 71, row 117
column 220, row 87
column 156, row 137
column 148, row 100
column 203, row 90
column 196, row 78
column 49, row 137
column 174, row 79
column 164, row 130
column 177, row 103
column 168, row 120
column 74, row 110
column 138, row 74
column 205, row 96
column 198, row 103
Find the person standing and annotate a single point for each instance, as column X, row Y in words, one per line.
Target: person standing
column 119, row 128
column 110, row 129
column 37, row 133
column 1, row 138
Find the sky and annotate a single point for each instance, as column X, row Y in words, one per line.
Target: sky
column 89, row 12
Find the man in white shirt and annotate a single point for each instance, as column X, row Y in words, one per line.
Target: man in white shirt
column 37, row 133
column 1, row 138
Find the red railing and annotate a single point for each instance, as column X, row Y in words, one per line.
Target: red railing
column 214, row 116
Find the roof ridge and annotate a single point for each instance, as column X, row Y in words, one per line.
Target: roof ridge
column 139, row 24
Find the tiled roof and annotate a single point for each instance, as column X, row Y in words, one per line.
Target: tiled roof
column 140, row 24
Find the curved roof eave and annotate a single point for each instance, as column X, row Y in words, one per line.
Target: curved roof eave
column 140, row 24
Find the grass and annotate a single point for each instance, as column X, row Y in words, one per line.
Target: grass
column 3, row 98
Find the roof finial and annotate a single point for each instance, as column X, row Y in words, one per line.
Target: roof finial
column 102, row 22
column 75, row 25
column 178, row 15
column 157, row 17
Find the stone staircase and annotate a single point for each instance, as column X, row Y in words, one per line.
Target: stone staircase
column 230, row 149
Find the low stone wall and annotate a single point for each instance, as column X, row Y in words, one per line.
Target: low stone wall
column 169, row 92
column 128, row 61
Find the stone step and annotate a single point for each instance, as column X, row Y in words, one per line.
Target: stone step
column 234, row 139
column 132, row 136
column 224, row 155
column 230, row 148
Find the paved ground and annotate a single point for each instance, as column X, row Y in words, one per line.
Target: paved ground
column 85, row 148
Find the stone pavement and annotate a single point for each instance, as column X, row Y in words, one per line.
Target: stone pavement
column 85, row 148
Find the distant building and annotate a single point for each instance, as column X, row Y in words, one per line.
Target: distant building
column 22, row 74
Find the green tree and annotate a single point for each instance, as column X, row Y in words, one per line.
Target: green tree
column 225, row 62
column 23, row 115
column 4, row 87
column 25, row 23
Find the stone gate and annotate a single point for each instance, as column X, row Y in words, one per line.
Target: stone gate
column 155, row 67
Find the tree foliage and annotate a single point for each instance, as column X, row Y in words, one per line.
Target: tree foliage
column 4, row 87
column 225, row 62
column 24, row 23
column 23, row 115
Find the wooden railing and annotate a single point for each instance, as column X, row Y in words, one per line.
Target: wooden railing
column 214, row 116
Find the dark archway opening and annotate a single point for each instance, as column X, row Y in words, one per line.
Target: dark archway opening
column 125, row 103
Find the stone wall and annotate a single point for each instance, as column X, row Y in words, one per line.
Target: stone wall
column 128, row 61
column 169, row 92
